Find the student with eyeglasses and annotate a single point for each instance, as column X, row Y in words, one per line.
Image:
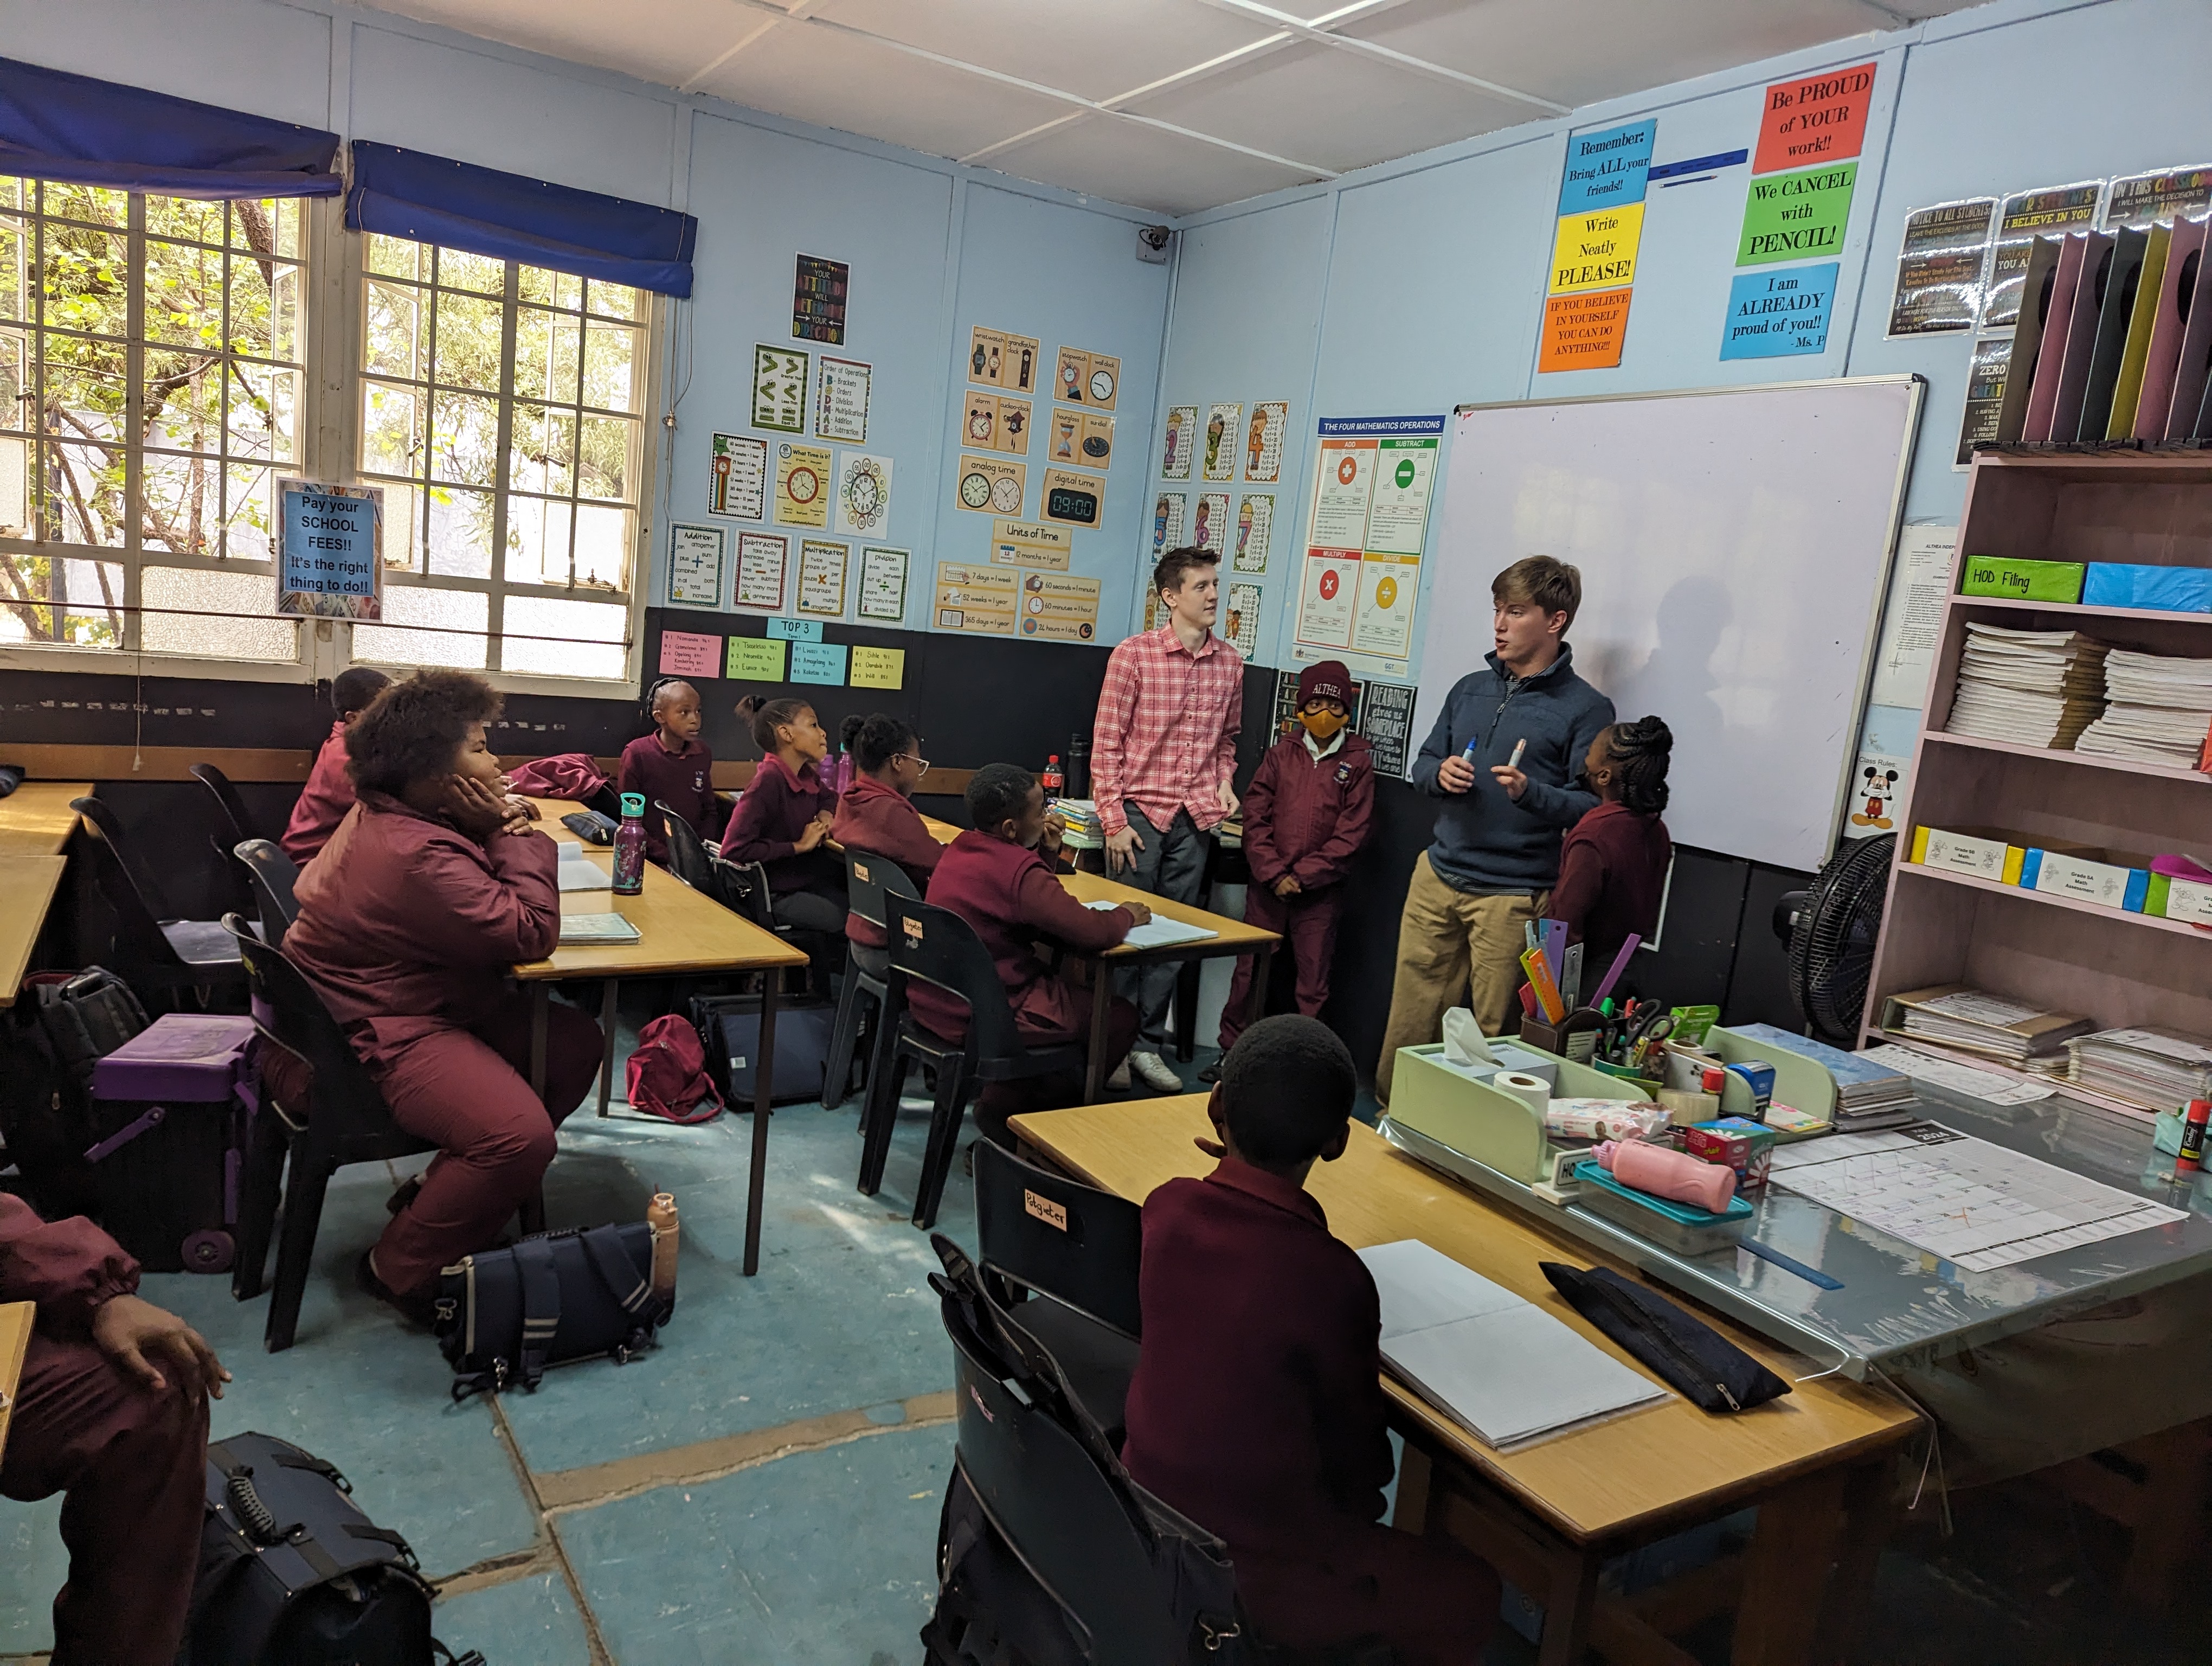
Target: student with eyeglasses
column 876, row 814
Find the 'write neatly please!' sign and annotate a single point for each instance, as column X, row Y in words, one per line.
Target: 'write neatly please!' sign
column 332, row 563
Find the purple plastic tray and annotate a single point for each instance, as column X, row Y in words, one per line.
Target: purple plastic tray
column 191, row 1058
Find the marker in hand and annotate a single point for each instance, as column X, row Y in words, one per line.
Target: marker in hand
column 1519, row 747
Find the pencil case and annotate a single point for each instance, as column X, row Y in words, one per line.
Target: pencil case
column 1688, row 1355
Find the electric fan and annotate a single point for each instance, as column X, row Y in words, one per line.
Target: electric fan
column 1830, row 929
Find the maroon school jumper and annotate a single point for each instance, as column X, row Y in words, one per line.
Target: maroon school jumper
column 1257, row 1411
column 323, row 801
column 768, row 821
column 1013, row 899
column 882, row 821
column 1307, row 817
column 683, row 781
column 407, row 928
column 1613, row 871
column 131, row 1462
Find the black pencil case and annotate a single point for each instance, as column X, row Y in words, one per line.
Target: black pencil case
column 1691, row 1357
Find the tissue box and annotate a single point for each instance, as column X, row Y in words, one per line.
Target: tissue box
column 2025, row 580
column 1747, row 1147
column 2171, row 589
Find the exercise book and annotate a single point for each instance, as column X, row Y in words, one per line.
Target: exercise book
column 597, row 929
column 581, row 875
column 1160, row 932
column 1488, row 1359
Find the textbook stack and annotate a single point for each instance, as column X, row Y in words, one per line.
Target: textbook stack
column 1974, row 1021
column 1081, row 815
column 2161, row 708
column 2037, row 688
column 2157, row 1069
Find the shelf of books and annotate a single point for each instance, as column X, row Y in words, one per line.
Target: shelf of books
column 2055, row 861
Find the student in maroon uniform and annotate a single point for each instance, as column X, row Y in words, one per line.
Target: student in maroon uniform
column 783, row 817
column 1306, row 815
column 1612, row 864
column 876, row 814
column 672, row 766
column 328, row 792
column 999, row 876
column 431, row 888
column 1257, row 1405
column 112, row 1412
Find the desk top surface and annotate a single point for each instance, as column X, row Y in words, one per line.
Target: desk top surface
column 681, row 930
column 1606, row 1479
column 15, row 1322
column 27, row 884
column 36, row 820
column 1230, row 936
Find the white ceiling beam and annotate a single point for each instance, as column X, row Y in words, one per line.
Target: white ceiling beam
column 1213, row 66
column 767, row 27
column 1075, row 100
column 1346, row 43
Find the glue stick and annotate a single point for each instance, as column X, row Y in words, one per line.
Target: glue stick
column 2193, row 1122
column 660, row 1215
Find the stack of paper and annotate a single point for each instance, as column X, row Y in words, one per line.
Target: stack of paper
column 1981, row 1023
column 1159, row 931
column 2157, row 1069
column 1869, row 1093
column 1490, row 1361
column 1081, row 815
column 576, row 871
column 2039, row 687
column 2161, row 708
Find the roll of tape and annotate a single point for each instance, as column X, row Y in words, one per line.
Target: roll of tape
column 1531, row 1091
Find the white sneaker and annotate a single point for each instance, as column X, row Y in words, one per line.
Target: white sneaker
column 1155, row 1072
column 1118, row 1081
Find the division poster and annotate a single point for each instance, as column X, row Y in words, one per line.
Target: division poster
column 980, row 601
column 761, row 560
column 737, row 478
column 840, row 400
column 1058, row 607
column 780, row 389
column 883, row 584
column 1263, row 441
column 1375, row 482
column 818, row 299
column 695, row 555
column 802, row 486
column 1181, row 442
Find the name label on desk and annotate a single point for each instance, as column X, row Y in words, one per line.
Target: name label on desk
column 1052, row 1214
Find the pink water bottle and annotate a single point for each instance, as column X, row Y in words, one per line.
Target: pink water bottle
column 1668, row 1173
column 629, row 847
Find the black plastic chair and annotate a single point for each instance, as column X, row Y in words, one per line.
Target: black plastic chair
column 689, row 858
column 154, row 952
column 1076, row 1250
column 345, row 1120
column 240, row 825
column 868, row 879
column 938, row 947
column 273, row 875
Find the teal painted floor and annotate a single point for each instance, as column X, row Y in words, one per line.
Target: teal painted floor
column 763, row 1490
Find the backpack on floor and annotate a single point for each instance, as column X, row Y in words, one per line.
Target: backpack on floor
column 729, row 1030
column 667, row 1073
column 506, row 1314
column 65, row 1022
column 293, row 1573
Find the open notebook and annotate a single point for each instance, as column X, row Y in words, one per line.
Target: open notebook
column 581, row 875
column 1160, row 932
column 597, row 928
column 1487, row 1359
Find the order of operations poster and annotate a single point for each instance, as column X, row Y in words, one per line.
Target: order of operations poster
column 1374, row 483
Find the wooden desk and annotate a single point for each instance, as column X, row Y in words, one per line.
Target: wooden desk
column 15, row 1322
column 1816, row 1462
column 943, row 832
column 36, row 820
column 27, row 884
column 1231, row 937
column 681, row 932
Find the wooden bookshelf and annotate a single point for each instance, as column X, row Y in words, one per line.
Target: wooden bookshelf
column 2058, row 952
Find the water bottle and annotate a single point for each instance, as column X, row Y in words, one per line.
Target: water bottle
column 629, row 847
column 1079, row 766
column 1052, row 781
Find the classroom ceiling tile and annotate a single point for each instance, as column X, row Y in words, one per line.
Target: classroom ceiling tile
column 1143, row 166
column 665, row 51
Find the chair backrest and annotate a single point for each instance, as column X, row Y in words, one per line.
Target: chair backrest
column 108, row 830
column 137, row 925
column 274, row 875
column 938, row 946
column 869, row 878
column 687, row 857
column 1071, row 1242
column 234, row 807
column 288, row 1013
column 745, row 887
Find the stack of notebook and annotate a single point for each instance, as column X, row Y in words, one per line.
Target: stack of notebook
column 1869, row 1095
column 2161, row 708
column 1974, row 1021
column 2039, row 688
column 2157, row 1069
column 1081, row 815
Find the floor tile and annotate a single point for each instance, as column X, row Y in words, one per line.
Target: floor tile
column 525, row 1622
column 33, row 1566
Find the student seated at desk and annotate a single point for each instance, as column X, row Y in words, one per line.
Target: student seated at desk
column 1257, row 1407
column 672, row 766
column 431, row 888
column 110, row 1412
column 784, row 817
column 999, row 876
column 328, row 794
column 876, row 814
column 1612, row 863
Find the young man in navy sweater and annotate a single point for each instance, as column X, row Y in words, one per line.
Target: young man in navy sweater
column 1503, row 806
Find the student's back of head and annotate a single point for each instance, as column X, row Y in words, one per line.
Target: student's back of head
column 352, row 689
column 1286, row 1092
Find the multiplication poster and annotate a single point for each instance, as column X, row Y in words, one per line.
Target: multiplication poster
column 1263, row 441
column 1255, row 524
column 1176, row 450
column 1221, row 435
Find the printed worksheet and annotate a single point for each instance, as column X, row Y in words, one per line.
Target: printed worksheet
column 1978, row 1205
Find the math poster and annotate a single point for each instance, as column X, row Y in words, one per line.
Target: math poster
column 1374, row 485
column 802, row 486
column 1263, row 441
column 779, row 379
column 737, row 478
column 695, row 555
column 762, row 557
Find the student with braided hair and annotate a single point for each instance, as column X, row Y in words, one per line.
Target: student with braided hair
column 1612, row 864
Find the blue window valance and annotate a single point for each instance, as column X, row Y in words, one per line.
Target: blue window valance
column 56, row 125
column 510, row 217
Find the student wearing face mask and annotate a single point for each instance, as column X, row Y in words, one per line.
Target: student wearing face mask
column 1306, row 815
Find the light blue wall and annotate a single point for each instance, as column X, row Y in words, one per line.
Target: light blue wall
column 1418, row 285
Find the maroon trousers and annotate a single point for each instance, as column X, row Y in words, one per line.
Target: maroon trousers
column 1307, row 922
column 133, row 1467
column 1433, row 1603
column 469, row 1089
column 1001, row 1100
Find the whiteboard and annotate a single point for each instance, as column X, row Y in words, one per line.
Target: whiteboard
column 1735, row 546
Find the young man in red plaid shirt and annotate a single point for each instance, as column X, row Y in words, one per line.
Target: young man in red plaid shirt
column 1162, row 760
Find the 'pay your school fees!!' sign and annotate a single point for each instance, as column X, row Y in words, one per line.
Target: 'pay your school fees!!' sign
column 332, row 560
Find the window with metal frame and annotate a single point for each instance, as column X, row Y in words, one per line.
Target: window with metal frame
column 151, row 391
column 501, row 410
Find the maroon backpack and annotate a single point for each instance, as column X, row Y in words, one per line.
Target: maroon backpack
column 668, row 1073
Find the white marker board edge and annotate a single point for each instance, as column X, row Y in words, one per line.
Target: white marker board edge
column 1441, row 657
